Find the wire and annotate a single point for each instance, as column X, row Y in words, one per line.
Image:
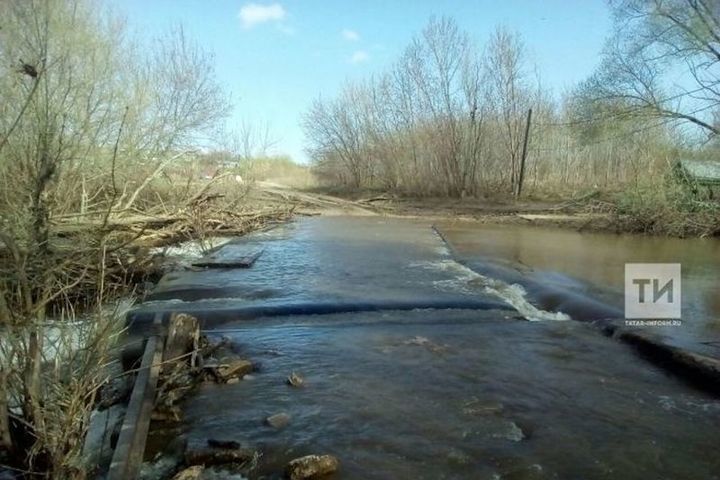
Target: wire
column 604, row 118
column 626, row 134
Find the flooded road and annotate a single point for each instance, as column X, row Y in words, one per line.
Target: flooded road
column 554, row 264
column 417, row 366
column 439, row 394
column 325, row 264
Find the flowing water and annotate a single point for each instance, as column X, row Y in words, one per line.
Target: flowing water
column 420, row 366
column 557, row 265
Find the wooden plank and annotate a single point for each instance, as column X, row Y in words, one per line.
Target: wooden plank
column 130, row 448
column 183, row 338
column 245, row 261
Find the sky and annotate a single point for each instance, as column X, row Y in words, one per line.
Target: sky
column 276, row 57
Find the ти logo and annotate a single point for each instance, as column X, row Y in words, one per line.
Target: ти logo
column 652, row 290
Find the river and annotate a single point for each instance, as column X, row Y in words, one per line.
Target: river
column 431, row 360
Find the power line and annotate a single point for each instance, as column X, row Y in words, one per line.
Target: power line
column 624, row 135
column 604, row 118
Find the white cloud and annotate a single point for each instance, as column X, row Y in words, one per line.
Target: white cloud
column 359, row 57
column 252, row 14
column 350, row 35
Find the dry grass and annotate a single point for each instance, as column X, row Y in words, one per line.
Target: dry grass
column 47, row 430
column 281, row 170
column 667, row 207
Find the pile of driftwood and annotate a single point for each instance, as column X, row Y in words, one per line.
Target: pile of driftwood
column 205, row 216
column 114, row 250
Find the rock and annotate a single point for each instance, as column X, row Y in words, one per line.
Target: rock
column 311, row 466
column 234, row 369
column 279, row 420
column 512, row 432
column 233, row 380
column 426, row 343
column 176, row 382
column 218, row 456
column 192, row 473
column 229, row 444
column 164, row 466
column 295, row 380
column 115, row 433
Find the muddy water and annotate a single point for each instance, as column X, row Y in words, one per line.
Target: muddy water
column 497, row 388
column 554, row 263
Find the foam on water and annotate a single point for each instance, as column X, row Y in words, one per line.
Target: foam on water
column 191, row 249
column 470, row 281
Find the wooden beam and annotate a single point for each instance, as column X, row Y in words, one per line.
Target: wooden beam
column 245, row 261
column 130, row 448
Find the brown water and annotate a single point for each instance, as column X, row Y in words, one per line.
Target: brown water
column 593, row 264
column 474, row 392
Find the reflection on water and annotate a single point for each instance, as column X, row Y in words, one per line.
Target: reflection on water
column 440, row 394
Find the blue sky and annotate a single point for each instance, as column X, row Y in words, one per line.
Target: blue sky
column 275, row 57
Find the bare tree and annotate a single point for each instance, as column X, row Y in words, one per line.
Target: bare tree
column 336, row 131
column 449, row 119
column 252, row 140
column 79, row 109
column 653, row 40
column 510, row 93
column 436, row 60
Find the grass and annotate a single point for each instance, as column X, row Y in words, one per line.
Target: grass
column 668, row 207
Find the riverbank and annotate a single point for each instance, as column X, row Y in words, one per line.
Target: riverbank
column 591, row 212
column 88, row 261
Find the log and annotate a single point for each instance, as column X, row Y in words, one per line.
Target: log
column 183, row 339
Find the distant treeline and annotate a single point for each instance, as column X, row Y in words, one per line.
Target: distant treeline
column 448, row 118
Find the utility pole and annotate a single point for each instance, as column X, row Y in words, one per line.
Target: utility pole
column 521, row 175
